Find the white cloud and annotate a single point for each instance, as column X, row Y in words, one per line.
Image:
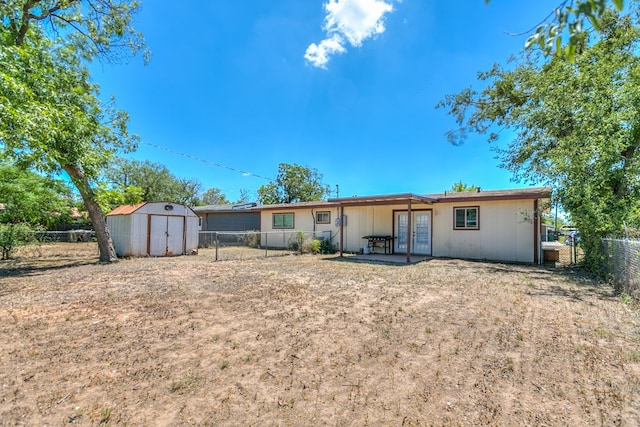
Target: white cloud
column 351, row 21
column 318, row 54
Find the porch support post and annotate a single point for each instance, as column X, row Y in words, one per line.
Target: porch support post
column 341, row 230
column 536, row 233
column 409, row 236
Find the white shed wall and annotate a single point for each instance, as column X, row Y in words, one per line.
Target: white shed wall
column 191, row 234
column 120, row 230
column 130, row 233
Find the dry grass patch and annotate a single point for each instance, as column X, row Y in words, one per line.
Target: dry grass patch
column 311, row 340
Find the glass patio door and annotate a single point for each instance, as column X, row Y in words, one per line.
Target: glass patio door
column 420, row 232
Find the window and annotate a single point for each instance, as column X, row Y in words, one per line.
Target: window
column 283, row 220
column 466, row 218
column 323, row 217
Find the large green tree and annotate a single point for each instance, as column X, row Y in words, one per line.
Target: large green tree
column 575, row 126
column 214, row 196
column 50, row 115
column 28, row 197
column 294, row 183
column 29, row 201
column 154, row 182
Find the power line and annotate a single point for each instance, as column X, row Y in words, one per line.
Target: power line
column 189, row 156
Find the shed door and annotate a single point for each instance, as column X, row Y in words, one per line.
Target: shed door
column 175, row 235
column 166, row 235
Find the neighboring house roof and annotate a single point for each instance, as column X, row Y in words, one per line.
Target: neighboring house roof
column 76, row 214
column 224, row 208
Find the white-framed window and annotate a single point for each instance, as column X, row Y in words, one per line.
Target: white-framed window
column 466, row 218
column 283, row 220
column 323, row 217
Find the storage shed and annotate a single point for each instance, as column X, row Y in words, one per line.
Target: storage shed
column 154, row 229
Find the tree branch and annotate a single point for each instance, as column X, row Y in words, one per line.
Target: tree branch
column 24, row 26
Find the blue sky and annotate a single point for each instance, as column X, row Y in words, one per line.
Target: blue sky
column 345, row 86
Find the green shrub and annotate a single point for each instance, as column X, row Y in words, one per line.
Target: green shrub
column 326, row 247
column 296, row 242
column 14, row 235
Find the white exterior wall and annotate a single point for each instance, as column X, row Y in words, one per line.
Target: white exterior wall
column 506, row 228
column 506, row 232
column 303, row 220
column 364, row 221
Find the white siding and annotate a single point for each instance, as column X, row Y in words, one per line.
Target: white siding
column 191, row 234
column 364, row 221
column 506, row 232
column 304, row 219
column 139, row 234
column 120, row 230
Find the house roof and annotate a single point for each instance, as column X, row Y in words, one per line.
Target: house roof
column 384, row 199
column 126, row 209
column 298, row 205
column 389, row 199
column 517, row 194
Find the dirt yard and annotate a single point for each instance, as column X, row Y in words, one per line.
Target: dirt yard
column 310, row 340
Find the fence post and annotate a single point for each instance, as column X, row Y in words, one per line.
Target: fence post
column 266, row 245
column 217, row 244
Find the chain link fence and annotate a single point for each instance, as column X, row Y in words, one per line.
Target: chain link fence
column 230, row 245
column 621, row 265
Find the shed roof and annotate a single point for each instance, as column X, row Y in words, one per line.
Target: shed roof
column 126, row 209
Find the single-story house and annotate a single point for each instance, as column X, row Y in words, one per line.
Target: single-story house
column 153, row 229
column 501, row 225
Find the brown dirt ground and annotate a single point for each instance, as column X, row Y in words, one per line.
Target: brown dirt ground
column 310, row 340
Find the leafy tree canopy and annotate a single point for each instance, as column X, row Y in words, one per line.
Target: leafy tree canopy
column 214, row 196
column 576, row 127
column 153, row 182
column 50, row 115
column 294, row 183
column 88, row 27
column 28, row 197
column 572, row 18
column 461, row 187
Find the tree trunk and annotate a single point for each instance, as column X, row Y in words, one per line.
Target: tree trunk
column 105, row 244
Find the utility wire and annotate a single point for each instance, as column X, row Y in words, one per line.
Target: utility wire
column 189, row 156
